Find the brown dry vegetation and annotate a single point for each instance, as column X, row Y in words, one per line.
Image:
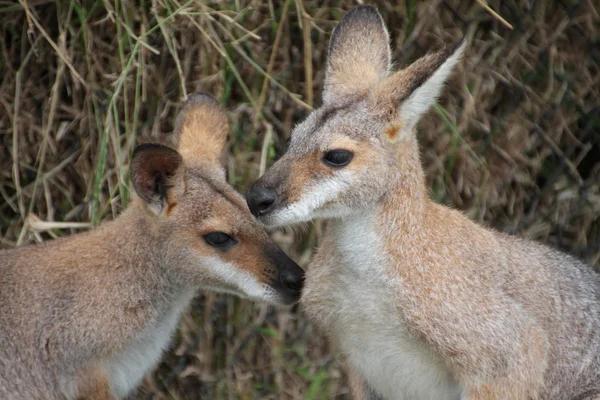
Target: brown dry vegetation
column 515, row 141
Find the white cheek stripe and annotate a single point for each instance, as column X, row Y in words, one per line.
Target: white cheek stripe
column 316, row 196
column 246, row 282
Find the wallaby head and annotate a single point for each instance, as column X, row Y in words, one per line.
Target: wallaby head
column 210, row 238
column 361, row 141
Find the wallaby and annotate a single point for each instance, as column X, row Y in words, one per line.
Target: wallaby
column 422, row 302
column 88, row 316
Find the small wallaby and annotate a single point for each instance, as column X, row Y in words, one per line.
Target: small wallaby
column 422, row 302
column 86, row 317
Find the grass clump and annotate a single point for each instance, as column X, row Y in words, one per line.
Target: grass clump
column 513, row 142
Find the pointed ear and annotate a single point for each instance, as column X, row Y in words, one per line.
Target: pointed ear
column 409, row 93
column 157, row 175
column 359, row 55
column 201, row 129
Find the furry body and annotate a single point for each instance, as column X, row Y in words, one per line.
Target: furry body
column 422, row 302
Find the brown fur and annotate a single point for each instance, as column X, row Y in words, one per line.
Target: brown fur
column 369, row 54
column 302, row 173
column 399, row 86
column 202, row 134
column 422, row 302
column 94, row 385
column 87, row 316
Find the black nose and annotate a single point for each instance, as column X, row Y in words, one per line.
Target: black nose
column 289, row 279
column 292, row 279
column 260, row 200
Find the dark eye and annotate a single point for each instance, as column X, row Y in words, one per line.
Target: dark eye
column 337, row 158
column 220, row 240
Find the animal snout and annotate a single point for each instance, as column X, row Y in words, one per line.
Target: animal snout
column 260, row 199
column 292, row 279
column 289, row 279
column 290, row 283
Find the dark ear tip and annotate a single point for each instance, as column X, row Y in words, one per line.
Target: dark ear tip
column 194, row 101
column 362, row 14
column 449, row 50
column 363, row 18
column 363, row 11
column 199, row 98
column 141, row 149
column 456, row 46
column 145, row 151
column 144, row 147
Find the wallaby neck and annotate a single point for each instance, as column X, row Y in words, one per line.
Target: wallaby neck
column 403, row 205
column 394, row 218
column 399, row 211
column 129, row 246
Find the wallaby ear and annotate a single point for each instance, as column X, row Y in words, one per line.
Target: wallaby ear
column 409, row 93
column 157, row 175
column 359, row 55
column 201, row 129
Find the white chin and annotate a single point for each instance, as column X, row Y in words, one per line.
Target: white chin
column 311, row 204
column 268, row 296
column 294, row 215
column 287, row 216
column 271, row 297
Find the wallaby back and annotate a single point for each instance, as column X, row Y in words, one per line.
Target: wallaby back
column 87, row 316
column 422, row 302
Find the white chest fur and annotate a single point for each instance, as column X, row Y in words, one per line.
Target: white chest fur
column 367, row 326
column 127, row 371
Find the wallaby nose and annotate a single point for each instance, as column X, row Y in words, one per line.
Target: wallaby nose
column 260, row 200
column 292, row 279
column 289, row 279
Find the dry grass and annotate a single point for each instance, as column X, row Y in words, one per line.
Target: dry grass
column 515, row 141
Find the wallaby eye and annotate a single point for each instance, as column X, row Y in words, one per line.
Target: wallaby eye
column 337, row 158
column 220, row 240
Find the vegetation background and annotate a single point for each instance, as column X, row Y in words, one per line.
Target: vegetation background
column 514, row 141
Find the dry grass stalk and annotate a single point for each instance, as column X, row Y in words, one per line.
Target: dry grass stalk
column 513, row 142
